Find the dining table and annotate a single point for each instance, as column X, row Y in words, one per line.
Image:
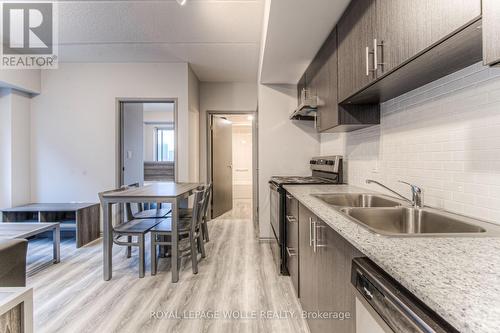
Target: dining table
column 162, row 192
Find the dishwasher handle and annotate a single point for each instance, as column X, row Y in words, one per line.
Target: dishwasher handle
column 400, row 310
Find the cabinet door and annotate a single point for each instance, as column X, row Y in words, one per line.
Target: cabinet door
column 292, row 240
column 307, row 264
column 334, row 257
column 355, row 32
column 491, row 31
column 329, row 263
column 328, row 115
column 301, row 85
column 407, row 27
column 320, row 86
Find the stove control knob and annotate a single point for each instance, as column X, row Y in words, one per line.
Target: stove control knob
column 312, row 162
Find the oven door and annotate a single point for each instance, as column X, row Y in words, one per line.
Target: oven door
column 277, row 244
column 275, row 206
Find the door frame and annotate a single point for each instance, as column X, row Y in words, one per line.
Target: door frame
column 255, row 154
column 119, row 132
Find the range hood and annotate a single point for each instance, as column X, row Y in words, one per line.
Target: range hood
column 308, row 105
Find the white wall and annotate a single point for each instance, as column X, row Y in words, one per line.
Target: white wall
column 222, row 96
column 5, row 148
column 444, row 136
column 194, row 126
column 26, row 80
column 74, row 124
column 285, row 146
column 14, row 148
column 21, row 149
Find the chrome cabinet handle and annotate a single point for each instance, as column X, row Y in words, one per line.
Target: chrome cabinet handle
column 291, row 252
column 291, row 218
column 367, row 55
column 316, row 243
column 310, row 231
column 315, row 239
column 375, row 54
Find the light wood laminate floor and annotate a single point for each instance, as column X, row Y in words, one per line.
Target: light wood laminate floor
column 238, row 275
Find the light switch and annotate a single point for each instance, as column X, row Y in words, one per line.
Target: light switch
column 129, row 154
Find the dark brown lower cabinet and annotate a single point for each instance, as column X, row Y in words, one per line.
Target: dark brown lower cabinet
column 292, row 240
column 325, row 268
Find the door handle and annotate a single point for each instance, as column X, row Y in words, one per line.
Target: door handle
column 367, row 293
column 291, row 218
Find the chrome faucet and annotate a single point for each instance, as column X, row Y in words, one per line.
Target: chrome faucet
column 417, row 195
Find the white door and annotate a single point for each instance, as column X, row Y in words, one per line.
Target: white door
column 132, row 143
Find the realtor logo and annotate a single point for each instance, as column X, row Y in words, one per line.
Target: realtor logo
column 28, row 35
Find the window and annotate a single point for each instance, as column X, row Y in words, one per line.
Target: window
column 165, row 145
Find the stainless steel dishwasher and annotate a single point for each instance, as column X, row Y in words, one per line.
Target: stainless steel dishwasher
column 384, row 306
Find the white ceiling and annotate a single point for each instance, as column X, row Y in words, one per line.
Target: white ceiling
column 219, row 38
column 295, row 31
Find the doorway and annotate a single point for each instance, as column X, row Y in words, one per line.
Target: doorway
column 148, row 144
column 231, row 161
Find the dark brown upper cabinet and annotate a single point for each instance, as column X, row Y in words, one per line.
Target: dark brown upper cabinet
column 405, row 28
column 321, row 79
column 323, row 71
column 356, row 32
column 379, row 37
column 381, row 49
column 491, row 32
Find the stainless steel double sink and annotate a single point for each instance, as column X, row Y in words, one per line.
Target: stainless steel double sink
column 393, row 217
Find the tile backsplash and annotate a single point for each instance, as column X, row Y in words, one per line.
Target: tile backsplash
column 444, row 137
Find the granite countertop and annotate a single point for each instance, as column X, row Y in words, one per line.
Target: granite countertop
column 457, row 277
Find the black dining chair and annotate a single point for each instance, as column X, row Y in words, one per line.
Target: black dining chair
column 134, row 229
column 189, row 231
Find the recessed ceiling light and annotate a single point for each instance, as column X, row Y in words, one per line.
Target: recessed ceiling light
column 181, row 2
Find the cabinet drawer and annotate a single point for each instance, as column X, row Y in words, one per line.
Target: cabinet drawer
column 292, row 262
column 292, row 239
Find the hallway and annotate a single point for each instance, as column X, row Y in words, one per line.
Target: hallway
column 238, row 279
